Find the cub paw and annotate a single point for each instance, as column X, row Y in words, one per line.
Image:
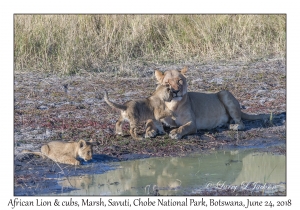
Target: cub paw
column 76, row 163
column 150, row 134
column 120, row 133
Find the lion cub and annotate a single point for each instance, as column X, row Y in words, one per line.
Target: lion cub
column 66, row 152
column 136, row 111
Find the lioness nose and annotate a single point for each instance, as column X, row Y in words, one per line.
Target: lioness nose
column 175, row 91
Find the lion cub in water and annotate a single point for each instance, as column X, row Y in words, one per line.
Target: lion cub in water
column 66, row 152
column 136, row 111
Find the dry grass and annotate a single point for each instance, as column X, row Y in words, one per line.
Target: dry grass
column 64, row 44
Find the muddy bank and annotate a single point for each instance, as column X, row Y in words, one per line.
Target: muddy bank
column 36, row 176
column 48, row 107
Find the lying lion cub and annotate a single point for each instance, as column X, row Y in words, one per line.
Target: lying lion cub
column 135, row 111
column 65, row 152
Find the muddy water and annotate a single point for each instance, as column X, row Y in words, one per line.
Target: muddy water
column 226, row 170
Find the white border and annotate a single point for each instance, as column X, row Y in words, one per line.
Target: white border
column 154, row 6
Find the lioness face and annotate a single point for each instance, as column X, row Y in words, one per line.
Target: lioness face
column 175, row 80
column 85, row 150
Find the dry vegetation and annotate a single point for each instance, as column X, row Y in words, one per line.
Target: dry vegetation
column 48, row 107
column 65, row 44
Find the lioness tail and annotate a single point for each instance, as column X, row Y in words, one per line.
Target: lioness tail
column 112, row 104
column 255, row 117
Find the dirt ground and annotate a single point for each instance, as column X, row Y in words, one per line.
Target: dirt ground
column 49, row 107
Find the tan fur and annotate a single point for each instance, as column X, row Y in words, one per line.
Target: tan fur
column 195, row 110
column 65, row 152
column 136, row 111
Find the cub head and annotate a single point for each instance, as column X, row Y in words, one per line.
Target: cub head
column 164, row 93
column 85, row 150
column 175, row 80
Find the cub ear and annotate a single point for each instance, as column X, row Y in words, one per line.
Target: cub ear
column 159, row 76
column 93, row 142
column 81, row 143
column 184, row 70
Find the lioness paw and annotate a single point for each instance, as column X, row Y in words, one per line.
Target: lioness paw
column 237, row 127
column 174, row 134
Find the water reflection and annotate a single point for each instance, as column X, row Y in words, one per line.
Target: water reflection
column 176, row 175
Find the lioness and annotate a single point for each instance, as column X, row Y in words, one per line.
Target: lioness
column 195, row 110
column 135, row 111
column 65, row 152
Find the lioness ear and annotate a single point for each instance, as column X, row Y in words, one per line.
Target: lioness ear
column 159, row 76
column 184, row 70
column 81, row 143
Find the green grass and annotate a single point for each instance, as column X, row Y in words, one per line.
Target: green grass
column 65, row 44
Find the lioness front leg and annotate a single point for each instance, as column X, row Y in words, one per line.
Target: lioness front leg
column 183, row 130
